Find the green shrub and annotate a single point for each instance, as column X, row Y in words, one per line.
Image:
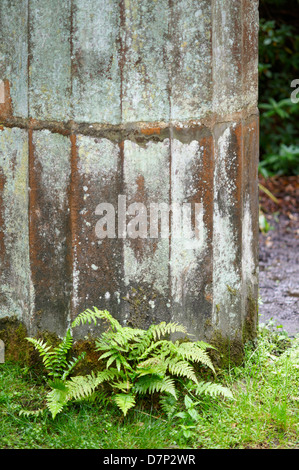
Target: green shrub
column 278, row 67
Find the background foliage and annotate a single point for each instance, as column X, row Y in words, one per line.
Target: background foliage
column 278, row 67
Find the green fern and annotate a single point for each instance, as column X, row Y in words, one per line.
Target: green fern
column 168, row 404
column 91, row 316
column 124, row 401
column 55, row 359
column 57, row 397
column 153, row 383
column 137, row 362
column 83, row 386
column 99, row 397
column 213, row 390
column 28, row 413
column 195, row 352
column 182, row 369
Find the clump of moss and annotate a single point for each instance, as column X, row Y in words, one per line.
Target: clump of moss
column 19, row 350
column 227, row 351
column 13, row 333
column 251, row 324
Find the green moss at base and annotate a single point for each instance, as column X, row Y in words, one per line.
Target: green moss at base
column 13, row 333
column 250, row 327
column 227, row 351
column 17, row 349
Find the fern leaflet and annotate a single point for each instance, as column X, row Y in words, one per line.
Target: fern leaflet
column 153, row 383
column 124, row 401
column 212, row 389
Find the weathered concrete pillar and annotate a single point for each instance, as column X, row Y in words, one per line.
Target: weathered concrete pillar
column 111, row 108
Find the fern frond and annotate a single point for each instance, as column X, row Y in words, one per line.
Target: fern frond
column 41, row 346
column 89, row 316
column 125, row 335
column 54, row 403
column 63, row 348
column 45, row 352
column 181, row 368
column 115, row 356
column 57, row 359
column 120, row 339
column 203, row 345
column 72, row 364
column 54, row 359
column 151, row 337
column 164, row 328
column 212, row 389
column 83, row 386
column 123, row 385
column 57, row 397
column 154, row 383
column 58, row 384
column 99, row 396
column 152, row 361
column 154, row 365
column 193, row 352
column 111, row 359
column 168, row 405
column 165, row 346
column 138, row 348
column 28, row 413
column 124, row 401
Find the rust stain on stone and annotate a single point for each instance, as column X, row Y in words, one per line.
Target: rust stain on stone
column 140, row 186
column 6, row 107
column 206, row 180
column 140, row 132
column 204, row 185
column 140, row 196
column 151, row 131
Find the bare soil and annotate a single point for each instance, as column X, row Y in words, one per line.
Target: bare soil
column 279, row 255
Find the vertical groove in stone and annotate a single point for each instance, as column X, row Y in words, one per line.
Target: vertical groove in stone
column 122, row 47
column 250, row 29
column 28, row 64
column 190, row 59
column 31, row 207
